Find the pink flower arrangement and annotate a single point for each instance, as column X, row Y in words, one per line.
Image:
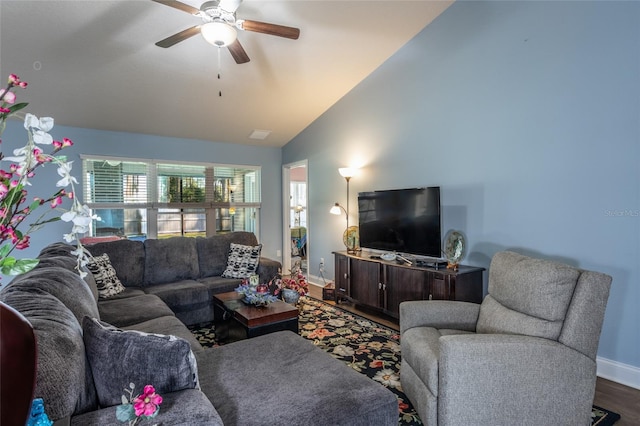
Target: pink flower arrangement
column 295, row 281
column 15, row 179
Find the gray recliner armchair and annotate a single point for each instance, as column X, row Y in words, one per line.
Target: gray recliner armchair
column 525, row 356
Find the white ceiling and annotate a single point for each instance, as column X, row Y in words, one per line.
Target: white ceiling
column 94, row 64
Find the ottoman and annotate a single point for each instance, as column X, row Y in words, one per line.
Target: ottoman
column 283, row 379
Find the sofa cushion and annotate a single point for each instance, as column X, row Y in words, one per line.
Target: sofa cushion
column 105, row 276
column 219, row 284
column 132, row 310
column 168, row 325
column 213, row 251
column 65, row 285
column 57, row 249
column 186, row 298
column 526, row 296
column 63, row 379
column 127, row 258
column 128, row 292
column 169, row 260
column 119, row 357
column 242, row 261
column 70, row 263
column 185, row 407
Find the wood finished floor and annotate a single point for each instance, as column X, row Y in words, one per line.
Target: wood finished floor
column 613, row 396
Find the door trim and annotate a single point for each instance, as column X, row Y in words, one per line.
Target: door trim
column 286, row 196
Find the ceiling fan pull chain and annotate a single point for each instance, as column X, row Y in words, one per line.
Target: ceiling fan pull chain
column 219, row 70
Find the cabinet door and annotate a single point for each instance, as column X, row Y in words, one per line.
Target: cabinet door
column 439, row 286
column 403, row 284
column 342, row 275
column 365, row 282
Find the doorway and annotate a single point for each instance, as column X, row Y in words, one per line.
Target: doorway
column 295, row 216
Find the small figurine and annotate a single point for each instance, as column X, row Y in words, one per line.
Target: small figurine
column 38, row 417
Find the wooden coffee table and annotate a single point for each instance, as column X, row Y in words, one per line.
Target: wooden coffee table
column 235, row 320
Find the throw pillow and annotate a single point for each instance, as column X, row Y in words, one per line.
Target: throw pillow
column 242, row 261
column 119, row 357
column 105, row 276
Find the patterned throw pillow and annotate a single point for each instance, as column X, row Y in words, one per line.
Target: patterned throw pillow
column 242, row 261
column 119, row 357
column 105, row 275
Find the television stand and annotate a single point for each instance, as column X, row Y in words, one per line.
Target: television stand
column 366, row 279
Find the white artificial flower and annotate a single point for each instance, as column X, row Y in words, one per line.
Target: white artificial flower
column 81, row 217
column 18, row 159
column 69, row 237
column 64, row 170
column 19, row 156
column 39, row 128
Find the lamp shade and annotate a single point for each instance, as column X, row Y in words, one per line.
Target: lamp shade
column 347, row 172
column 218, row 33
column 335, row 209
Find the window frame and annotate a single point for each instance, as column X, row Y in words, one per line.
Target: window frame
column 152, row 205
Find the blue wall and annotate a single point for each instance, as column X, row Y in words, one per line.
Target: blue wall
column 132, row 145
column 527, row 114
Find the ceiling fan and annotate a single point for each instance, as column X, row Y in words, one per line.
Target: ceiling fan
column 220, row 24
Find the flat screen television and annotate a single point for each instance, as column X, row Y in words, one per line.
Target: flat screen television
column 401, row 220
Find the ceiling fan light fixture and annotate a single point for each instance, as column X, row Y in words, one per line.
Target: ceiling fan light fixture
column 218, row 33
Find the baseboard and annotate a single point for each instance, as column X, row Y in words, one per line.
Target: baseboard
column 316, row 280
column 615, row 371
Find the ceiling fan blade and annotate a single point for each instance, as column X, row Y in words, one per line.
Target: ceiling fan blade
column 178, row 37
column 229, row 5
column 179, row 5
column 272, row 29
column 238, row 53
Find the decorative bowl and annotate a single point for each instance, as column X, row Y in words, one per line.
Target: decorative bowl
column 253, row 297
column 388, row 257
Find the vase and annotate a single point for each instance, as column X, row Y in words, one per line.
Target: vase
column 290, row 296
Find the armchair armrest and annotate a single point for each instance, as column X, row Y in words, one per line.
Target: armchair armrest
column 267, row 269
column 439, row 314
column 523, row 375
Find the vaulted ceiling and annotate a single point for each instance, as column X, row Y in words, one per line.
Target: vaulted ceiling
column 94, row 64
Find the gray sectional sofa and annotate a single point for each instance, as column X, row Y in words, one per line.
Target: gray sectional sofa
column 89, row 349
column 183, row 272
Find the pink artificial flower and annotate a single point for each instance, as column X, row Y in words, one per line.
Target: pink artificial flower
column 5, row 175
column 14, row 79
column 66, row 142
column 8, row 97
column 56, row 202
column 147, row 403
column 40, row 156
column 4, row 110
column 23, row 243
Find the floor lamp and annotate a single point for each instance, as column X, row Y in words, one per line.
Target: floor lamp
column 350, row 242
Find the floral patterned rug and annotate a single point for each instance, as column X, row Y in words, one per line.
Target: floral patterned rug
column 367, row 347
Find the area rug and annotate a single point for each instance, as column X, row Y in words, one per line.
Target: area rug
column 367, row 347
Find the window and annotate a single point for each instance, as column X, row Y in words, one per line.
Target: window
column 150, row 199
